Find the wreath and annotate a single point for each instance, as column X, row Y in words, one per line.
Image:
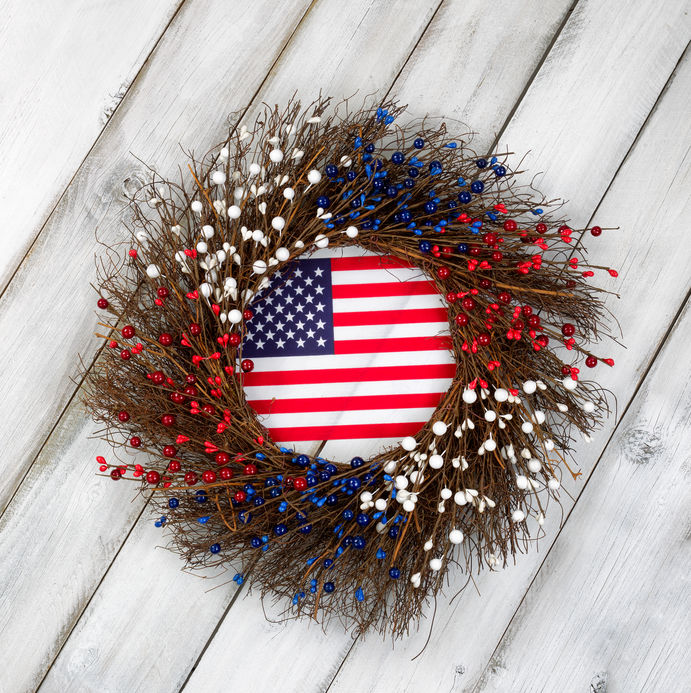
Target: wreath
column 369, row 541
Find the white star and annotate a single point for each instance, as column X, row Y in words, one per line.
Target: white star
column 280, row 308
column 290, row 316
column 280, row 343
column 299, row 307
column 278, row 290
column 321, row 342
column 309, row 281
column 300, row 324
column 269, row 299
column 298, row 272
column 310, row 333
column 258, row 308
column 301, row 342
column 320, row 325
column 270, row 334
column 320, row 307
column 290, row 334
column 289, row 299
column 279, row 325
column 318, row 272
column 260, row 344
column 299, row 289
column 319, row 290
column 310, row 316
column 309, row 298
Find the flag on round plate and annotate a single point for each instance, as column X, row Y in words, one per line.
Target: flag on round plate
column 347, row 347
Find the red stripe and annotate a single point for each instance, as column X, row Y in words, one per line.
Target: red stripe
column 372, row 346
column 347, row 375
column 416, row 288
column 305, row 404
column 390, row 317
column 367, row 262
column 395, row 430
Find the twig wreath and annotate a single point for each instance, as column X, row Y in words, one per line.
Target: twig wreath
column 370, row 541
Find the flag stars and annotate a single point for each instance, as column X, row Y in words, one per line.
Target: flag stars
column 320, row 307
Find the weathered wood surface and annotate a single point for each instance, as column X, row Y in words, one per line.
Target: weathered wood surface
column 88, row 604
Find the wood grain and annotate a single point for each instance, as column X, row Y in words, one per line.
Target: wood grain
column 59, row 86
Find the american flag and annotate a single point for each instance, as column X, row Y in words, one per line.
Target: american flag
column 348, row 346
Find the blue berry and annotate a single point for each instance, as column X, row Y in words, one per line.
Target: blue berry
column 464, row 197
column 478, row 186
column 435, row 166
column 323, row 202
column 397, row 158
column 363, row 519
column 331, row 468
column 357, row 462
column 359, row 543
column 391, row 191
column 419, row 143
column 280, row 529
column 329, row 587
column 430, row 207
column 348, row 514
column 409, row 183
column 351, row 175
column 393, row 532
column 255, row 542
column 332, row 499
column 302, row 460
column 413, row 172
column 354, row 484
column 369, row 148
column 331, row 171
column 305, row 529
column 425, row 246
column 394, row 573
column 173, row 503
column 215, row 548
column 462, row 248
column 500, row 171
column 258, row 501
column 201, row 497
column 481, row 163
column 328, row 562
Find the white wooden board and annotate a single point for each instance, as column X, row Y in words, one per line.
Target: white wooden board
column 59, row 86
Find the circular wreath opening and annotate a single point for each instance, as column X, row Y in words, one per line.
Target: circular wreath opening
column 368, row 542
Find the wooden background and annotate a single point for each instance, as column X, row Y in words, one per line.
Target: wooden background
column 597, row 91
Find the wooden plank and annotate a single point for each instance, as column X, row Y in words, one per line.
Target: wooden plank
column 467, row 628
column 98, row 652
column 53, row 561
column 59, row 87
column 610, row 606
column 180, row 94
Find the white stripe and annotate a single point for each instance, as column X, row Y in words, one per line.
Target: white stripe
column 424, row 329
column 344, row 418
column 392, row 275
column 394, row 358
column 356, row 305
column 341, row 251
column 345, row 450
column 354, row 389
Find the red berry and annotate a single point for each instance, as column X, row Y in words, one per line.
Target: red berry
column 158, row 378
column 490, row 238
column 190, row 478
column 504, row 297
column 132, row 253
column 135, row 441
column 596, row 231
column 209, row 476
column 468, row 303
column 195, row 329
column 190, row 378
column 485, row 283
column 168, row 420
column 240, row 496
column 534, row 321
column 153, row 477
column 609, row 362
column 484, row 339
column 191, row 391
column 517, row 324
column 162, row 292
column 174, row 466
column 542, row 340
column 451, row 297
column 564, row 229
column 165, row 339
column 125, row 354
column 234, row 339
column 169, row 451
column 565, row 370
column 209, row 409
column 461, row 319
column 299, row 484
column 591, row 362
column 510, row 225
column 443, row 272
column 123, row 416
column 497, row 256
column 247, row 365
column 568, row 330
column 226, row 473
column 115, row 474
column 541, row 228
column 102, row 303
column 250, row 469
column 527, row 310
column 177, row 397
column 247, row 314
column 128, row 332
column 222, row 458
column 475, row 251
